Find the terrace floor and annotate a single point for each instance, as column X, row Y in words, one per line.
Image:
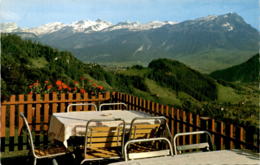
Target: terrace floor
column 22, row 158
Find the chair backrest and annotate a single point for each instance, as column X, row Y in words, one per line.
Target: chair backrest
column 110, row 104
column 146, row 153
column 81, row 104
column 148, row 127
column 30, row 138
column 104, row 134
column 207, row 146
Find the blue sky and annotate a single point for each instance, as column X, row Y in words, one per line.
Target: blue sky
column 32, row 13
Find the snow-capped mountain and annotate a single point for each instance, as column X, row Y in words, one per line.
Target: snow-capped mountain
column 203, row 43
column 83, row 26
column 136, row 26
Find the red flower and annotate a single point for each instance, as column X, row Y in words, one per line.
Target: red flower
column 90, row 80
column 49, row 86
column 58, row 82
column 60, row 88
column 46, row 82
column 30, row 93
column 82, row 91
column 64, row 85
column 30, row 86
column 100, row 87
column 94, row 85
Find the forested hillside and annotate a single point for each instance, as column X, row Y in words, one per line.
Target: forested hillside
column 25, row 64
column 245, row 72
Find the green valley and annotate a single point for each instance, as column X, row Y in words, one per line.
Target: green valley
column 165, row 81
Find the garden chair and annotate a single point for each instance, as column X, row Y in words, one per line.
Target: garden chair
column 149, row 127
column 157, row 152
column 81, row 104
column 110, row 104
column 43, row 151
column 146, row 128
column 204, row 146
column 104, row 139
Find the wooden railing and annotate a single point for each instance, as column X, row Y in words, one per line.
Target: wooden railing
column 224, row 135
column 39, row 108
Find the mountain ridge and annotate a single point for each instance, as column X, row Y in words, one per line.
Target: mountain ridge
column 246, row 72
column 205, row 44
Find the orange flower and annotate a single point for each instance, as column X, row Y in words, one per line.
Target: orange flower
column 30, row 86
column 94, row 85
column 58, row 82
column 46, row 82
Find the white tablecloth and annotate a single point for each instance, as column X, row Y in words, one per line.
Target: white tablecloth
column 65, row 125
column 223, row 157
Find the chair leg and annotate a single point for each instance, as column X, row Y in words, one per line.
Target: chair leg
column 34, row 161
column 54, row 161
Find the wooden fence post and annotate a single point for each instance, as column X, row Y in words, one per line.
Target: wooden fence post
column 12, row 123
column 20, row 122
column 3, row 127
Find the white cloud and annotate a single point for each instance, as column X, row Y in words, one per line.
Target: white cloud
column 8, row 15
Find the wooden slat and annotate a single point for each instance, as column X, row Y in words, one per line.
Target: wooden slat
column 172, row 122
column 241, row 136
column 20, row 123
column 38, row 114
column 213, row 129
column 12, row 124
column 62, row 104
column 3, row 120
column 108, row 144
column 46, row 113
column 221, row 140
column 189, row 120
column 105, row 139
column 21, row 110
column 54, row 105
column 85, row 96
column 231, row 135
column 78, row 97
column 92, row 108
column 197, row 125
column 3, row 127
column 177, row 112
column 12, row 117
column 101, row 134
column 146, row 126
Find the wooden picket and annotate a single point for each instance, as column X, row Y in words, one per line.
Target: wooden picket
column 224, row 135
column 39, row 108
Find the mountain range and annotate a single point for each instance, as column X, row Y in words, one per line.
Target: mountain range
column 205, row 44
